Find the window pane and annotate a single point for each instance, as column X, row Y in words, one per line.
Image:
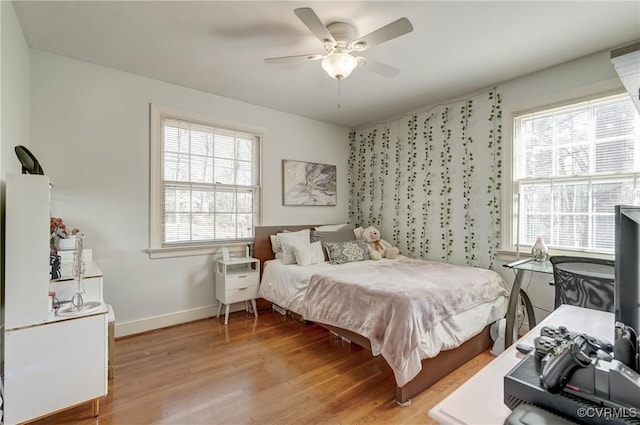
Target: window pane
column 200, row 158
column 603, row 232
column 573, row 126
column 571, row 161
column 202, row 227
column 571, row 231
column 244, row 173
column 609, row 194
column 588, row 155
column 176, row 167
column 201, row 169
column 245, row 202
column 201, row 141
column 225, row 226
column 224, row 171
column 539, row 163
column 571, row 198
column 614, row 119
column 177, row 227
column 225, row 202
column 536, row 197
column 614, row 156
column 245, row 149
column 534, row 225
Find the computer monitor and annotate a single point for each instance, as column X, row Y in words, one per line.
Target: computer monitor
column 627, row 266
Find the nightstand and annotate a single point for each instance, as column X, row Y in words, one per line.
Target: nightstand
column 237, row 280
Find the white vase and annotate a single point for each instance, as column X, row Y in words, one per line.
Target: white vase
column 539, row 251
column 66, row 244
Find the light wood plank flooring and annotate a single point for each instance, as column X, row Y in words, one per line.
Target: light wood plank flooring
column 273, row 370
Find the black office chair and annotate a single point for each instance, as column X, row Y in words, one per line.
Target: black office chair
column 583, row 282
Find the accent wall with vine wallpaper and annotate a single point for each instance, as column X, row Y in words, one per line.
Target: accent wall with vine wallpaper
column 431, row 181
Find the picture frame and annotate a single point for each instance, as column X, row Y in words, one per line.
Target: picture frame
column 308, row 183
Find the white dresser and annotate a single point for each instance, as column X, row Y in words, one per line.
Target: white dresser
column 50, row 362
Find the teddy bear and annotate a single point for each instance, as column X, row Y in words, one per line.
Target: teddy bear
column 378, row 248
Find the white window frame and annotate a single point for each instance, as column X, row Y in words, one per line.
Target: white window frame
column 509, row 216
column 156, row 247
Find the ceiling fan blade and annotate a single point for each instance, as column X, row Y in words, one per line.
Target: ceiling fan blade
column 315, row 25
column 296, row 58
column 377, row 67
column 388, row 32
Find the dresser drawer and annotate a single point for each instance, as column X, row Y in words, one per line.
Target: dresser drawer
column 241, row 281
column 240, row 294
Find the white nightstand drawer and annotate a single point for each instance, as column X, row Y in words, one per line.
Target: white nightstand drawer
column 241, row 294
column 241, row 281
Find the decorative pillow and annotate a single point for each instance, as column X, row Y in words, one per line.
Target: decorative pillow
column 290, row 239
column 347, row 252
column 341, row 235
column 275, row 246
column 307, row 255
column 331, row 227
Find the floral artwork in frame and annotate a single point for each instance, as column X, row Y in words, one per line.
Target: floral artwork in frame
column 308, row 183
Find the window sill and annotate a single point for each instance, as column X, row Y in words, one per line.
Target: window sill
column 189, row 251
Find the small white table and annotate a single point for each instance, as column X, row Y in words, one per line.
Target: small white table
column 237, row 280
column 480, row 400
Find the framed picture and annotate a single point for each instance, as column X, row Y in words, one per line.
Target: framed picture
column 308, row 183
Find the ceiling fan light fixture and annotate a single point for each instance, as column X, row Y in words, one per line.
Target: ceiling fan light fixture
column 339, row 65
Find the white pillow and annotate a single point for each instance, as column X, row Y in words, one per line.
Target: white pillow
column 330, row 227
column 307, row 255
column 276, row 248
column 288, row 240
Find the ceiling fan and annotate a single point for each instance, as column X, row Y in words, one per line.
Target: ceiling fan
column 339, row 40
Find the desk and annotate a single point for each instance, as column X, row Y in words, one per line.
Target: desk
column 521, row 266
column 480, row 400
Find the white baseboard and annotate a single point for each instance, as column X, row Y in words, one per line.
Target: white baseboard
column 166, row 320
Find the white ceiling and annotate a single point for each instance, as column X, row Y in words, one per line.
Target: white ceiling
column 457, row 47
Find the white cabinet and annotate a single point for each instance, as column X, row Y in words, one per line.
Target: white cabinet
column 26, row 250
column 55, row 365
column 50, row 362
column 237, row 280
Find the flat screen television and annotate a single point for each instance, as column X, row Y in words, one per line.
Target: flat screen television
column 627, row 266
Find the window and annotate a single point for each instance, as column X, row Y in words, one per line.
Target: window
column 572, row 164
column 205, row 182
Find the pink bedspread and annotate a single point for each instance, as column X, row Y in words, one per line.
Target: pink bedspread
column 393, row 303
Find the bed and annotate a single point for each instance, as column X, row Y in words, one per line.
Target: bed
column 422, row 335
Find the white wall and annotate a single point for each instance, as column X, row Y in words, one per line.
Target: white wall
column 583, row 77
column 14, row 111
column 90, row 126
column 14, row 89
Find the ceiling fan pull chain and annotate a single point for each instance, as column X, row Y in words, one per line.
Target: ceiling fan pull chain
column 339, row 92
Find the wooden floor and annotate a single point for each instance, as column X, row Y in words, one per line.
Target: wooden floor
column 273, row 370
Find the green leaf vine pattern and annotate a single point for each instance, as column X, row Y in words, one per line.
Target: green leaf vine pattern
column 351, row 161
column 396, row 195
column 494, row 187
column 427, row 186
column 373, row 171
column 384, row 166
column 445, row 192
column 402, row 157
column 466, row 111
column 412, row 176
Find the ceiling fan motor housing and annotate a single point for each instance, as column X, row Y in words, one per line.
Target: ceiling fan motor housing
column 343, row 34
